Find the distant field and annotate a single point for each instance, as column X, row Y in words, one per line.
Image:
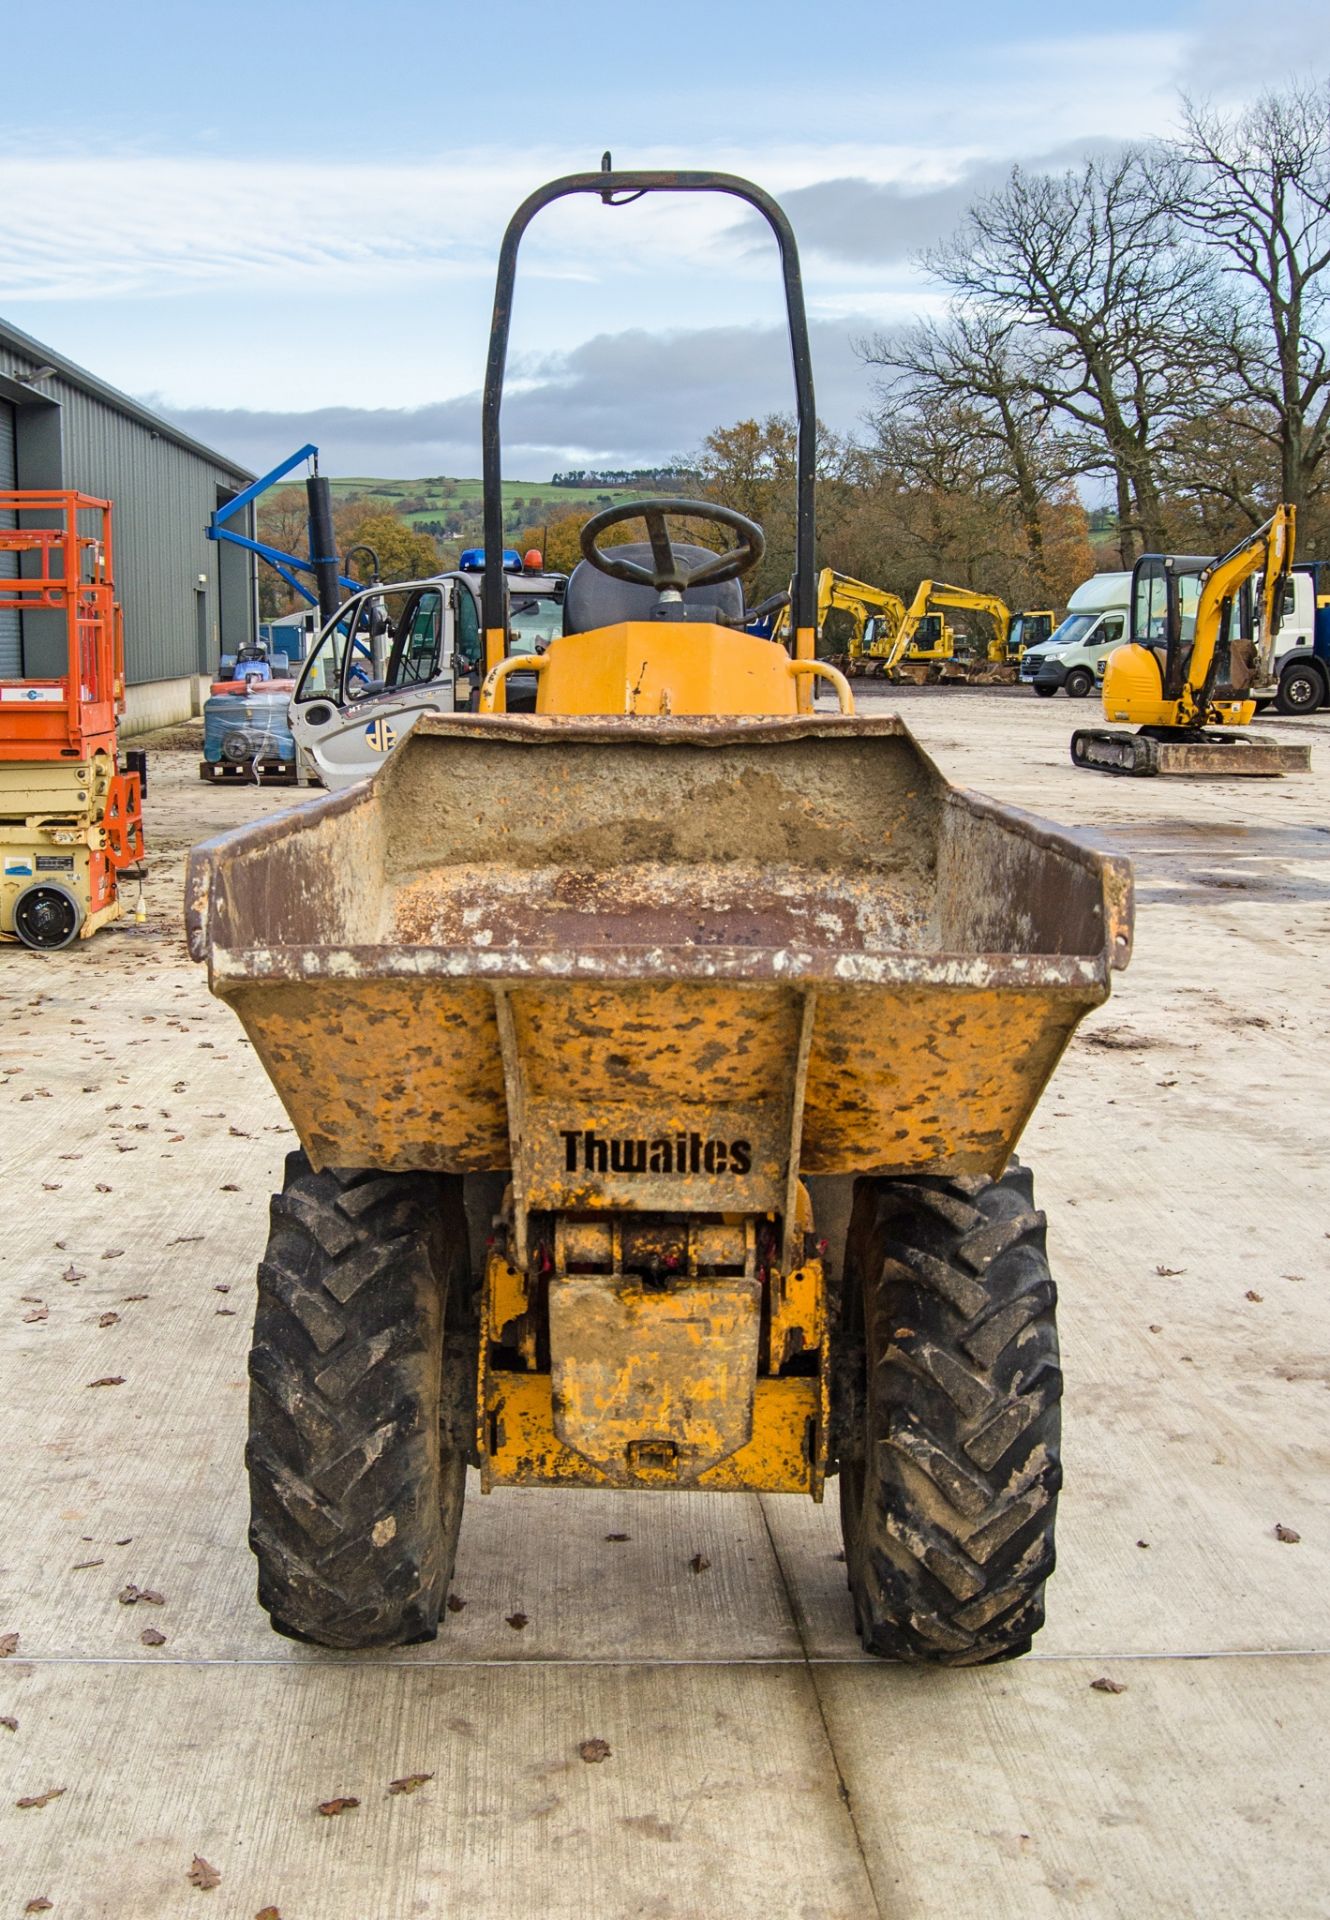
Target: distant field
column 450, row 511
column 525, row 502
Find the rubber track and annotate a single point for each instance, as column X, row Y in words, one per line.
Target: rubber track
column 353, row 1513
column 963, row 1420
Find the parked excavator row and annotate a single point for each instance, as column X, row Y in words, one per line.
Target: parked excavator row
column 916, row 644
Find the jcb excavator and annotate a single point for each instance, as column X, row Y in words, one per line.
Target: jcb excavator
column 923, row 646
column 657, row 1060
column 1191, row 666
column 876, row 613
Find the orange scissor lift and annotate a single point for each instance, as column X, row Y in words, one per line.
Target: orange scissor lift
column 70, row 818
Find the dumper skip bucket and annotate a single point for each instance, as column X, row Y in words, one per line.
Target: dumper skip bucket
column 602, row 952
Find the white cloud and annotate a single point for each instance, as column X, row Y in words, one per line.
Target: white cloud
column 623, row 399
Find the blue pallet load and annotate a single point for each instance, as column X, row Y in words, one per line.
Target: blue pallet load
column 247, row 736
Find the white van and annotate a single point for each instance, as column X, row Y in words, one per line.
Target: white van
column 1074, row 654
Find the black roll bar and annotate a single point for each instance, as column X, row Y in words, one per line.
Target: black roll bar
column 617, row 189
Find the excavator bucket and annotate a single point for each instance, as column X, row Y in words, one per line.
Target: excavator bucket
column 1225, row 754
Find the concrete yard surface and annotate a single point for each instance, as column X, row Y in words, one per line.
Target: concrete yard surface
column 759, row 1763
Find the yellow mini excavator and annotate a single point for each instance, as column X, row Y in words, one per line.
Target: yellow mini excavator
column 924, row 648
column 875, row 611
column 1199, row 653
column 657, row 1058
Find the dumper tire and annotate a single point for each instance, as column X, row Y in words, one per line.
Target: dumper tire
column 356, row 1480
column 951, row 1469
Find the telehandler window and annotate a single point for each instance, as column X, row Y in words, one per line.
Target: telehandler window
column 468, row 627
column 322, row 678
column 416, row 645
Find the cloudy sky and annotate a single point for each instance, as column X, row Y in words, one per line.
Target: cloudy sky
column 278, row 222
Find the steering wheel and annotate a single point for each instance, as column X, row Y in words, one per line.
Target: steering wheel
column 671, row 573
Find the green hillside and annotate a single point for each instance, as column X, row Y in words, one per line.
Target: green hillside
column 450, row 509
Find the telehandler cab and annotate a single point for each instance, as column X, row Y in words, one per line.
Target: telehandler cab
column 657, row 1060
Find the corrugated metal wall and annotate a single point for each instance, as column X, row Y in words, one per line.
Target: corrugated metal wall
column 10, row 656
column 164, row 496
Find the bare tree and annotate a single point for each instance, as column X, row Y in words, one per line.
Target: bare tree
column 1108, row 307
column 962, row 395
column 1255, row 186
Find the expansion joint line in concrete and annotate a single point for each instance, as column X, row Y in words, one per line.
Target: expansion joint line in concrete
column 646, row 1663
column 842, row 1785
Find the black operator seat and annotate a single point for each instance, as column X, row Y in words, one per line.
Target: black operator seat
column 592, row 599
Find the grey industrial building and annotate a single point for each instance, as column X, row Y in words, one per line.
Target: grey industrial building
column 182, row 594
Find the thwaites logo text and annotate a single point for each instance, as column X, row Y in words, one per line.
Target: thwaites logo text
column 586, row 1151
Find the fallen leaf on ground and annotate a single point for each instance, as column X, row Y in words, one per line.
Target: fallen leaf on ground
column 222, row 1287
column 455, row 1603
column 1142, row 1543
column 267, row 1913
column 1287, row 1535
column 8, row 1722
column 127, row 1297
column 699, row 1563
column 72, row 1273
column 113, row 1253
column 126, row 1541
column 8, row 1645
column 50, row 1186
column 40, row 1905
column 201, row 1874
column 618, row 1536
column 109, row 1380
column 80, row 1565
column 1169, row 1273
column 184, row 1239
column 108, row 1319
column 226, row 1313
column 102, row 1187
column 1104, row 1685
column 38, row 1313
column 151, row 1638
column 1253, row 1295
column 593, row 1750
column 409, row 1782
column 516, row 1621
column 131, row 1595
column 228, row 1186
column 342, row 1804
column 238, row 1133
column 1154, row 1328
column 41, row 1799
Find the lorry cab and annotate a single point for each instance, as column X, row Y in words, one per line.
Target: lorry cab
column 1075, row 653
column 396, row 652
column 1302, row 647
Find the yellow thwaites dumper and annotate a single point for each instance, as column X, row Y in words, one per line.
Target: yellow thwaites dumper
column 657, row 1060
